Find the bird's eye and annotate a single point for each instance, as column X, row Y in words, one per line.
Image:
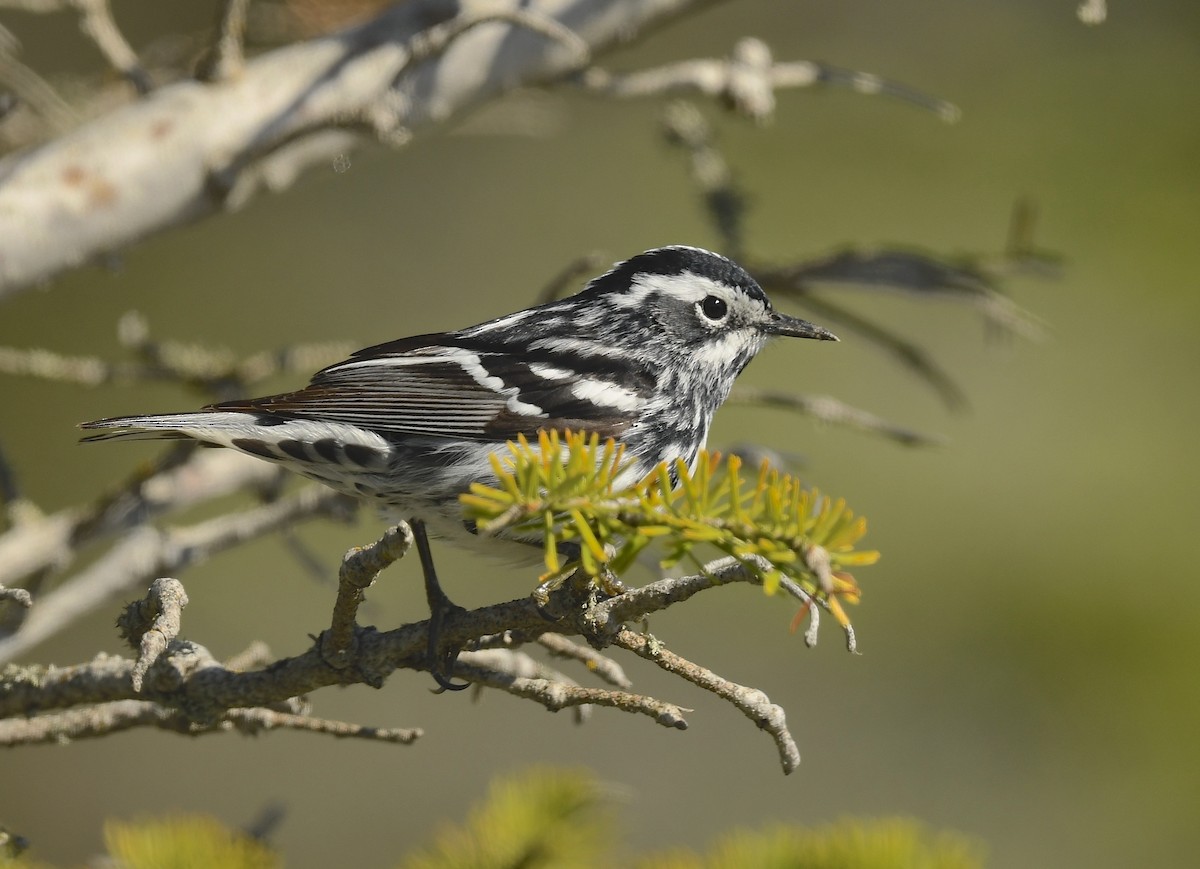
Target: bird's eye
column 714, row 307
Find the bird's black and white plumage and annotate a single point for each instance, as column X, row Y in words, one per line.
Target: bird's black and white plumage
column 645, row 353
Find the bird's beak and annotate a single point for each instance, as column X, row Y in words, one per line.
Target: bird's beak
column 794, row 327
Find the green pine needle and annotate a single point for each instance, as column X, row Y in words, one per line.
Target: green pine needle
column 574, row 488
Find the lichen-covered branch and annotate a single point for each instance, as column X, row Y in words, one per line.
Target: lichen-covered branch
column 360, row 568
column 751, row 702
column 176, row 684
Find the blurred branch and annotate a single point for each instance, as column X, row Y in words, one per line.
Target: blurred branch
column 907, row 353
column 216, row 372
column 190, row 149
column 30, row 88
column 97, row 23
column 225, row 59
column 746, row 81
column 687, row 128
column 605, row 668
column 558, row 285
column 17, row 595
column 921, row 274
column 54, row 541
column 972, row 280
column 1092, row 12
column 145, row 553
column 104, row 719
column 827, row 409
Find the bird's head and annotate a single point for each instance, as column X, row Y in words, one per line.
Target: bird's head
column 701, row 307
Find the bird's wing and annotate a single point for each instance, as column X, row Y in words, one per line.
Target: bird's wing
column 440, row 386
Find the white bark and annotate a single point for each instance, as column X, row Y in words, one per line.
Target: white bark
column 191, row 149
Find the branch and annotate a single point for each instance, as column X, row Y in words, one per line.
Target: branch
column 151, row 624
column 53, row 542
column 687, row 128
column 560, row 695
column 31, row 89
column 191, row 149
column 215, row 371
column 360, row 568
column 98, row 23
column 186, row 690
column 746, row 81
column 226, row 59
column 146, row 553
column 604, row 668
column 108, row 718
column 831, row 410
column 751, row 702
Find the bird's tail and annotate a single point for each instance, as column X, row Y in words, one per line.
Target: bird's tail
column 274, row 437
column 213, row 427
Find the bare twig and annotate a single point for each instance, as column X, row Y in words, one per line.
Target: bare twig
column 830, row 410
column 906, row 352
column 514, row 664
column 226, row 59
column 189, row 691
column 18, row 596
column 31, row 89
column 146, row 553
column 577, row 268
column 555, row 695
column 751, row 702
column 609, row 616
column 107, row 718
column 97, row 22
column 360, row 568
column 257, row 654
column 748, row 79
column 150, row 624
column 255, row 720
column 214, row 371
column 726, row 203
column 606, row 668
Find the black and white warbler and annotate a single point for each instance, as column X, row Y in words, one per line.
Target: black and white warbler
column 645, row 354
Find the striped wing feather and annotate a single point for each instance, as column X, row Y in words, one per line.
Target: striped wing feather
column 443, row 391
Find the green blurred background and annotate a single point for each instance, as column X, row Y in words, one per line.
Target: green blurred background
column 1028, row 640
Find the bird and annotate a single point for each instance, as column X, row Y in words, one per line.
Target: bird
column 645, row 354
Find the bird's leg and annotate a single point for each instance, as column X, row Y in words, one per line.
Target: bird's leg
column 441, row 663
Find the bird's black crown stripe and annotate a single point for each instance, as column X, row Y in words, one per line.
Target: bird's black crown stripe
column 676, row 260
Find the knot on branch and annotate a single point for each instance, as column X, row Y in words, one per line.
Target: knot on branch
column 338, row 645
column 582, row 605
column 344, row 652
column 151, row 625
